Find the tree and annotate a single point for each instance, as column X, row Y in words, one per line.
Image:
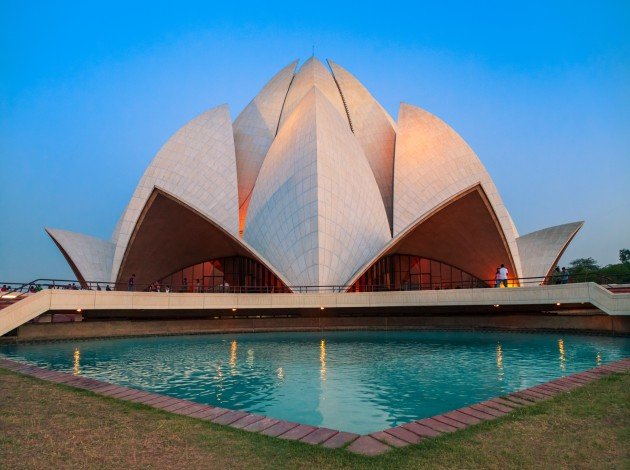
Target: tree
column 624, row 255
column 583, row 264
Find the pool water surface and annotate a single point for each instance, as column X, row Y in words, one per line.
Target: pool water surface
column 360, row 381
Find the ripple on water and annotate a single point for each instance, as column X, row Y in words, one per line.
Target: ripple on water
column 353, row 381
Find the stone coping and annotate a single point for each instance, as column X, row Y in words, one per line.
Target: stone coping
column 371, row 444
column 109, row 334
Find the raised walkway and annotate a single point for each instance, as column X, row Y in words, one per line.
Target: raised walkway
column 557, row 298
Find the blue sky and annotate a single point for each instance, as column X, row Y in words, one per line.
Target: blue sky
column 90, row 91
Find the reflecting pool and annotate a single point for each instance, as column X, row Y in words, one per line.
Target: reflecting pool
column 353, row 381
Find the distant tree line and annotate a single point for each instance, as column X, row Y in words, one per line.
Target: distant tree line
column 587, row 269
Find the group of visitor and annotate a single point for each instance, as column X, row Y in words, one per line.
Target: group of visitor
column 155, row 286
column 198, row 287
column 559, row 276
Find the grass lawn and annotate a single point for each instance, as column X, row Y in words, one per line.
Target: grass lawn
column 44, row 425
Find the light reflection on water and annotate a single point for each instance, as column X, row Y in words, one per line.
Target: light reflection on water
column 500, row 361
column 322, row 360
column 77, row 360
column 353, row 381
column 563, row 366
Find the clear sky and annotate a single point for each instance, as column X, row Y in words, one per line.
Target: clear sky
column 89, row 91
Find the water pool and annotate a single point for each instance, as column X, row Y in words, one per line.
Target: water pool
column 351, row 381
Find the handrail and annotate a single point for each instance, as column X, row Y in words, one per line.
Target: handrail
column 20, row 288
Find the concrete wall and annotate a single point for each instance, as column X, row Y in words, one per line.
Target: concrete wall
column 571, row 323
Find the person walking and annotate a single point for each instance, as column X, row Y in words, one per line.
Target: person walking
column 503, row 275
column 131, row 282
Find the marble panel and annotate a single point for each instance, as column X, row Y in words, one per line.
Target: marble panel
column 374, row 129
column 540, row 251
column 89, row 257
column 316, row 213
column 254, row 131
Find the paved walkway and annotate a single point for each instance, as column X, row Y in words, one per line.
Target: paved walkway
column 372, row 444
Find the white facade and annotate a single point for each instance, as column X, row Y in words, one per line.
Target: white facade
column 312, row 179
column 305, row 216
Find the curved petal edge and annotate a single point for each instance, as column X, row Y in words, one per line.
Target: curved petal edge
column 432, row 164
column 197, row 165
column 313, row 74
column 540, row 251
column 193, row 239
column 374, row 129
column 254, row 130
column 90, row 258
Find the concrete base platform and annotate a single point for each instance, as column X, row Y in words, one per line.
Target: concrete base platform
column 579, row 307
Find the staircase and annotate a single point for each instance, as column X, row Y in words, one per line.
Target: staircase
column 619, row 289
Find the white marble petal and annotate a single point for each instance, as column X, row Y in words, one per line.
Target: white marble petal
column 254, row 131
column 197, row 165
column 541, row 250
column 374, row 129
column 116, row 232
column 432, row 165
column 91, row 256
column 316, row 212
column 313, row 74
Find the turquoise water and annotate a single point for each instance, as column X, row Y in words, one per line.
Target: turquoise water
column 352, row 381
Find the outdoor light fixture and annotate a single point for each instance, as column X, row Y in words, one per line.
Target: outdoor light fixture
column 558, row 304
column 321, row 308
column 234, row 310
column 79, row 310
column 496, row 305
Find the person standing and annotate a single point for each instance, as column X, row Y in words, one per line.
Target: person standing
column 557, row 275
column 565, row 276
column 131, row 282
column 497, row 278
column 503, row 275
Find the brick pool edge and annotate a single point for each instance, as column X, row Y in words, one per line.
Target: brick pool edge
column 371, row 444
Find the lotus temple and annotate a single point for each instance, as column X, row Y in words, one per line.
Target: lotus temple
column 317, row 271
column 315, row 185
column 313, row 209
